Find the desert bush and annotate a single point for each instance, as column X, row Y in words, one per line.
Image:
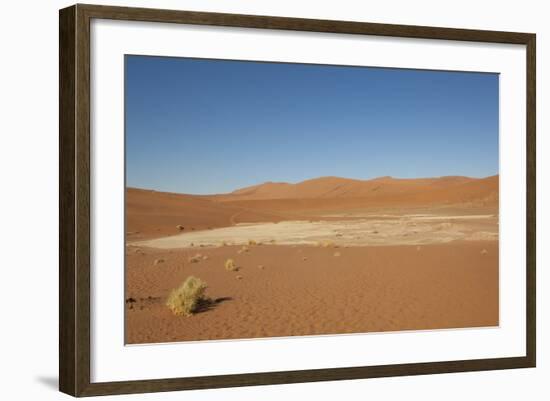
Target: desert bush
column 195, row 259
column 230, row 265
column 244, row 249
column 185, row 299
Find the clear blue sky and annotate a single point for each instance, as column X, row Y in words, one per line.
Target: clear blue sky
column 211, row 126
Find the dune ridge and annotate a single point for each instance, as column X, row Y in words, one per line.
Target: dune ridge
column 337, row 187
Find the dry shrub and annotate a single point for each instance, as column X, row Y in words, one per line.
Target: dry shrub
column 185, row 299
column 195, row 259
column 230, row 265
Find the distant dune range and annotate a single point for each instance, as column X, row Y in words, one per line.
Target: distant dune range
column 346, row 256
column 151, row 214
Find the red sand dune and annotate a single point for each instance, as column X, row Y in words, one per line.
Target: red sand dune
column 283, row 290
column 433, row 190
column 156, row 214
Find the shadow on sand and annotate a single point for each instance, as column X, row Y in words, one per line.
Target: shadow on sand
column 205, row 305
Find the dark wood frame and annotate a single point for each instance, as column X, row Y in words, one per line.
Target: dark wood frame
column 74, row 199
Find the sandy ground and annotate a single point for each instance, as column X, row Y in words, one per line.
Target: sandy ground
column 407, row 229
column 332, row 256
column 304, row 290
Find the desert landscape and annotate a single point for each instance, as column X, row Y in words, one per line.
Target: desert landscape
column 328, row 255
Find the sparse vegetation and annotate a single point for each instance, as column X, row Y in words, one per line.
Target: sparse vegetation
column 185, row 299
column 243, row 249
column 230, row 265
column 195, row 259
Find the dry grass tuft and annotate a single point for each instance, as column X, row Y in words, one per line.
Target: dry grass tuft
column 195, row 259
column 230, row 265
column 185, row 299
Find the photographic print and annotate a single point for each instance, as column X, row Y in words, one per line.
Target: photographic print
column 269, row 199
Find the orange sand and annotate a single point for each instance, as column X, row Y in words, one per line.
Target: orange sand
column 381, row 283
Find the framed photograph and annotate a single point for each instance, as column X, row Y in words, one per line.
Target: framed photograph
column 250, row 200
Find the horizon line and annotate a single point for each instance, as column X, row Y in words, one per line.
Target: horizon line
column 386, row 177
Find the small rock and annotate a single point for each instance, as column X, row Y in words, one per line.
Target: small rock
column 158, row 261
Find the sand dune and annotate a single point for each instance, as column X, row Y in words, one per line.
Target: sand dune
column 346, row 256
column 151, row 214
column 428, row 190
